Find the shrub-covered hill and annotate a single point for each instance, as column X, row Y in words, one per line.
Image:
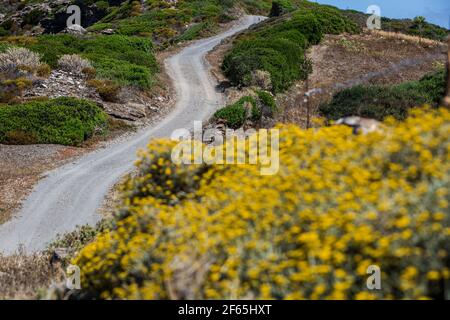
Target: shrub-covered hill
column 338, row 204
column 164, row 21
column 417, row 26
column 378, row 102
column 172, row 21
column 278, row 46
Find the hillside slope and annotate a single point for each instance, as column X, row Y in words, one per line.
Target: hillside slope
column 70, row 196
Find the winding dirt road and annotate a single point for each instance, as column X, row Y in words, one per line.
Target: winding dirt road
column 70, row 195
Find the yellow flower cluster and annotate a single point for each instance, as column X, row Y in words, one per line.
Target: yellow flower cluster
column 338, row 204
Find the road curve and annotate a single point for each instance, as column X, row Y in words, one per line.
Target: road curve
column 70, row 195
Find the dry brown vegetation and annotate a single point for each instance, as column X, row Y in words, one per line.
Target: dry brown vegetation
column 24, row 276
column 406, row 37
column 374, row 58
column 21, row 168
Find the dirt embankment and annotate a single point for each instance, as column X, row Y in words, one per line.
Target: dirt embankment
column 20, row 169
column 344, row 61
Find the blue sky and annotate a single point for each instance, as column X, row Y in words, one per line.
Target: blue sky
column 436, row 11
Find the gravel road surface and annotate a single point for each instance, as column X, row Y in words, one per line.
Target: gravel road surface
column 70, row 195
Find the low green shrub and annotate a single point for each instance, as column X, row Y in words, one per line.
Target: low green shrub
column 377, row 102
column 65, row 121
column 280, row 7
column 256, row 113
column 283, row 59
column 76, row 240
column 100, row 27
column 3, row 32
column 3, row 47
column 192, row 32
column 165, row 22
column 236, row 113
column 267, row 100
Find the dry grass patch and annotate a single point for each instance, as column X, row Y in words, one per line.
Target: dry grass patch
column 23, row 277
column 406, row 37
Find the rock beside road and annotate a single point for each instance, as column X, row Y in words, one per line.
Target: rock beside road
column 75, row 29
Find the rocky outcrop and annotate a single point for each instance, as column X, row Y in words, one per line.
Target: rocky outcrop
column 75, row 29
column 49, row 16
column 66, row 84
column 62, row 84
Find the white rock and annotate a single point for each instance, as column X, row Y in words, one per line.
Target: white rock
column 76, row 29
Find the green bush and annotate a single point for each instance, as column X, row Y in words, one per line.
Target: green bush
column 433, row 85
column 267, row 100
column 193, row 32
column 3, row 32
column 125, row 60
column 165, row 22
column 3, row 47
column 280, row 7
column 235, row 114
column 415, row 28
column 378, row 102
column 406, row 26
column 278, row 46
column 121, row 12
column 65, row 121
column 282, row 58
column 99, row 27
column 102, row 5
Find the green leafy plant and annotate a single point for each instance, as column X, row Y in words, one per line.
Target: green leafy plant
column 65, row 121
column 234, row 115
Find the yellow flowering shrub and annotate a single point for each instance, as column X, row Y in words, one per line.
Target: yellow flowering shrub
column 338, row 204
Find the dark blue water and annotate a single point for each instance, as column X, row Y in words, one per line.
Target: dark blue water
column 435, row 11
